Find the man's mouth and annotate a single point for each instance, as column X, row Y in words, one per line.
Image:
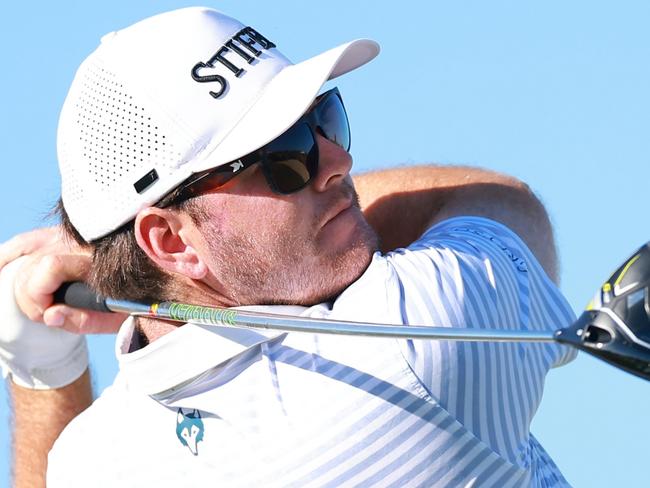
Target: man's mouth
column 340, row 207
column 339, row 204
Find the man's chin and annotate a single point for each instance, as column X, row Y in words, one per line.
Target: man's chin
column 348, row 266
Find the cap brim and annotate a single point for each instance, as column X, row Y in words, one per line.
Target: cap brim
column 284, row 101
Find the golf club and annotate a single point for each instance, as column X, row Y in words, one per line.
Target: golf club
column 615, row 327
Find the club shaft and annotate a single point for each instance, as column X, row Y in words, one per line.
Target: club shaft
column 260, row 320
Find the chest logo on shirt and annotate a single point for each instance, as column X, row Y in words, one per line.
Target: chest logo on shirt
column 189, row 429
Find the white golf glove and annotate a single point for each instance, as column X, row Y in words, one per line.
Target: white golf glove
column 34, row 355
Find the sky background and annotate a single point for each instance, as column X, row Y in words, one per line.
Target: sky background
column 554, row 93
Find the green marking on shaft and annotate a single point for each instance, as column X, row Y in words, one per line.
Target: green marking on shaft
column 198, row 313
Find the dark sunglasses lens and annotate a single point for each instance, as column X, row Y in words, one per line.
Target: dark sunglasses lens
column 333, row 121
column 291, row 159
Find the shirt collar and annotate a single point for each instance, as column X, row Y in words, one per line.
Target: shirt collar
column 192, row 349
column 187, row 351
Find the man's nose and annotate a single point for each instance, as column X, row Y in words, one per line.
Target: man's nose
column 334, row 164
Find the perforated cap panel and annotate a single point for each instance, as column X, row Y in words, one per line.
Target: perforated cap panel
column 118, row 137
column 109, row 141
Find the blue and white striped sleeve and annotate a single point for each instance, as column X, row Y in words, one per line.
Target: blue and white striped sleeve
column 474, row 272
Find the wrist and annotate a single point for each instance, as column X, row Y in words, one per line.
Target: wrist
column 32, row 354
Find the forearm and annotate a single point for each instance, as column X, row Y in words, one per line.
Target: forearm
column 39, row 359
column 401, row 203
column 39, row 418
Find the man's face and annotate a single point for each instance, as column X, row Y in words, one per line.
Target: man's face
column 302, row 248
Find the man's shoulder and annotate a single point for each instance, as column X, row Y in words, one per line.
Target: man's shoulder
column 111, row 402
column 445, row 242
column 92, row 441
column 465, row 248
column 473, row 236
column 457, row 267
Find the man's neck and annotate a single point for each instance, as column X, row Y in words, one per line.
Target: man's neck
column 196, row 292
column 153, row 329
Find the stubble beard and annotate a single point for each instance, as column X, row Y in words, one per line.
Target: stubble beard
column 279, row 267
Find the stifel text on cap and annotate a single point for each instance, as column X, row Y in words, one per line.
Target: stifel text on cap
column 247, row 44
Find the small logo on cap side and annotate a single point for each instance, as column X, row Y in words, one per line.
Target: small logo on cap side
column 236, row 166
column 146, row 181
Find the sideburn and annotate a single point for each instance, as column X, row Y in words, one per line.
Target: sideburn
column 122, row 270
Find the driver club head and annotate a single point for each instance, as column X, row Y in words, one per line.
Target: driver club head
column 615, row 327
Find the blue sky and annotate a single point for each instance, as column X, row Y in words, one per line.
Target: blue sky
column 552, row 92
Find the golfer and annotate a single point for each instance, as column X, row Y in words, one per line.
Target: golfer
column 199, row 164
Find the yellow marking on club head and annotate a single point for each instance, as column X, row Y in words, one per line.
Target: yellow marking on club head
column 625, row 269
column 590, row 305
column 606, row 295
column 154, row 308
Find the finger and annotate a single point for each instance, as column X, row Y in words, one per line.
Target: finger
column 41, row 276
column 28, row 243
column 80, row 321
column 49, row 272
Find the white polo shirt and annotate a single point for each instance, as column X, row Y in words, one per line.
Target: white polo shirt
column 218, row 406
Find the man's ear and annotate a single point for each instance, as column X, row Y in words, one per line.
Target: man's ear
column 164, row 235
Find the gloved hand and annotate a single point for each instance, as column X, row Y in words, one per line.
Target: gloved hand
column 34, row 355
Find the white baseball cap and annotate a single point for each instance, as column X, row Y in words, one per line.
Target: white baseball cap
column 172, row 95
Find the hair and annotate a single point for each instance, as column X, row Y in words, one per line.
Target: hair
column 120, row 269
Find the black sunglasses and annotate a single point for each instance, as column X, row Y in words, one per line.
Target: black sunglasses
column 289, row 162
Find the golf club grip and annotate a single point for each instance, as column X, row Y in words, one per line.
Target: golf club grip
column 79, row 295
